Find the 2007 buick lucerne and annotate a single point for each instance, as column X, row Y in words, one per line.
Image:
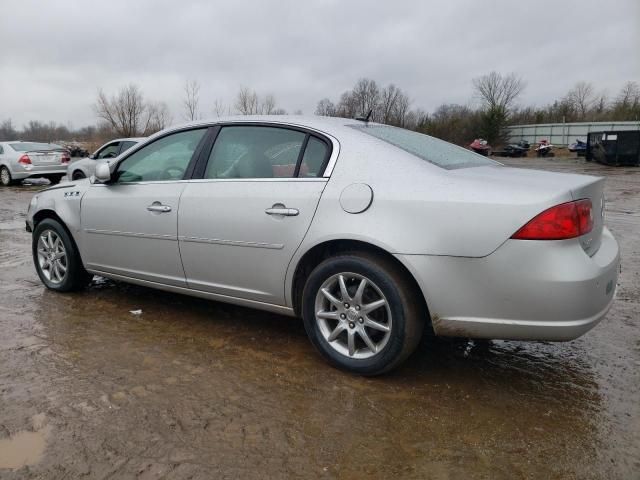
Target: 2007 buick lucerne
column 370, row 233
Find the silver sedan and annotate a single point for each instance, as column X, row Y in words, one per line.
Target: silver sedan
column 20, row 160
column 372, row 234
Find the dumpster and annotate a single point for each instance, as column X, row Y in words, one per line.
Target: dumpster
column 620, row 148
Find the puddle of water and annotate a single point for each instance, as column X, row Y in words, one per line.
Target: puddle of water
column 23, row 448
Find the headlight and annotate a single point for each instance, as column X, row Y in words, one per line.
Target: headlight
column 33, row 203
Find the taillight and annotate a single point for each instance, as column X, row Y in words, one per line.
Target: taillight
column 567, row 220
column 24, row 160
column 66, row 158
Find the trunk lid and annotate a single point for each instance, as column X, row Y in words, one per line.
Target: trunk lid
column 45, row 157
column 533, row 191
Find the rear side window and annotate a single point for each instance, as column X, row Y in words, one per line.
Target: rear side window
column 255, row 152
column 34, row 147
column 314, row 159
column 1, row 150
column 440, row 153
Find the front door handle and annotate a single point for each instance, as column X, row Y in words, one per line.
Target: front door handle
column 158, row 207
column 284, row 211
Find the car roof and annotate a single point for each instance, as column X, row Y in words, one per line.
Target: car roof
column 329, row 125
column 128, row 139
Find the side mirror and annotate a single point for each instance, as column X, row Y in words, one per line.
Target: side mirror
column 103, row 173
column 92, row 156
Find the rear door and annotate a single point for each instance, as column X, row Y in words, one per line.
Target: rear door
column 130, row 226
column 240, row 225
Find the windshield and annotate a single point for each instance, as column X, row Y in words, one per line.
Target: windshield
column 433, row 150
column 34, row 147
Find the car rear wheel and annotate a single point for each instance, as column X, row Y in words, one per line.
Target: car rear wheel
column 57, row 259
column 5, row 177
column 78, row 175
column 361, row 313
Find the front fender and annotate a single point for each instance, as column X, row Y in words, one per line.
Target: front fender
column 62, row 200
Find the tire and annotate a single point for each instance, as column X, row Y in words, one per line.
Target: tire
column 5, row 177
column 55, row 179
column 403, row 313
column 78, row 175
column 50, row 239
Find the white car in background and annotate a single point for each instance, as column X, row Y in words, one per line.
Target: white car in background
column 85, row 167
column 20, row 160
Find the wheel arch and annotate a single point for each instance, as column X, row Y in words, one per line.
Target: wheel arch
column 45, row 213
column 321, row 251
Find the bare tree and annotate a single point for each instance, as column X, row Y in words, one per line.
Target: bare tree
column 158, row 118
column 326, row 108
column 497, row 91
column 7, row 130
column 268, row 105
column 247, row 102
column 581, row 97
column 191, row 100
column 388, row 103
column 124, row 112
column 220, row 109
column 366, row 96
column 629, row 96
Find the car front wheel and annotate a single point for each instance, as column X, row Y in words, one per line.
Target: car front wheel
column 78, row 175
column 56, row 258
column 361, row 313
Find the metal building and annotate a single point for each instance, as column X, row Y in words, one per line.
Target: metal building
column 562, row 134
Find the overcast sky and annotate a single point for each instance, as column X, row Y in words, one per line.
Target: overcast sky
column 54, row 55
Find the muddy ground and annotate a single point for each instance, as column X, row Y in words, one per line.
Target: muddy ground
column 197, row 389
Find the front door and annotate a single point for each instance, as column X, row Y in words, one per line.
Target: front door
column 240, row 225
column 129, row 226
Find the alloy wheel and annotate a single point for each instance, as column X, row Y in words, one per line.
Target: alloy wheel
column 52, row 257
column 5, row 176
column 353, row 315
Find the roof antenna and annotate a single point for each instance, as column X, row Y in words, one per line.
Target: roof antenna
column 365, row 119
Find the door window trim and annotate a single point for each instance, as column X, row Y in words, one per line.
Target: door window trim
column 203, row 160
column 196, row 153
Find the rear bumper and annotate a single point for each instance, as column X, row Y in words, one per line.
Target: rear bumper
column 525, row 290
column 21, row 173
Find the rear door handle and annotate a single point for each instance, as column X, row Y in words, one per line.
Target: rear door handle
column 158, row 207
column 287, row 212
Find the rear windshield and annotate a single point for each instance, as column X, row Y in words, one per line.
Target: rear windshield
column 34, row 147
column 438, row 152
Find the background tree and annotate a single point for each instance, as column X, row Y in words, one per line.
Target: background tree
column 581, row 97
column 497, row 94
column 247, row 102
column 158, row 118
column 124, row 112
column 7, row 130
column 326, row 108
column 191, row 100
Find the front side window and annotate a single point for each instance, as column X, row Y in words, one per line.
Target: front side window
column 126, row 146
column 255, row 152
column 440, row 153
column 165, row 159
column 109, row 151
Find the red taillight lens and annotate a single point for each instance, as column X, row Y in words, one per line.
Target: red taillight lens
column 24, row 160
column 567, row 220
column 66, row 158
